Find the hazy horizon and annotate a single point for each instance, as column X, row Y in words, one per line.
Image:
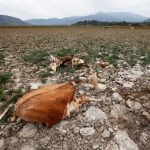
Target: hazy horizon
column 44, row 9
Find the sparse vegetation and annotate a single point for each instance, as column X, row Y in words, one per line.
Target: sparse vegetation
column 37, row 57
column 1, row 58
column 4, row 77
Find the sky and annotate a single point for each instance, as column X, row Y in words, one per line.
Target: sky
column 29, row 9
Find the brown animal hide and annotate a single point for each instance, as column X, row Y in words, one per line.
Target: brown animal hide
column 49, row 104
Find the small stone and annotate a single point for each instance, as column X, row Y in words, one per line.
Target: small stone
column 144, row 137
column 137, row 106
column 129, row 103
column 81, row 92
column 124, row 142
column 146, row 115
column 76, row 130
column 116, row 97
column 2, row 144
column 101, row 87
column 117, row 111
column 87, row 131
column 94, row 113
column 28, row 147
column 13, row 140
column 128, row 85
column 14, row 71
column 112, row 146
column 95, row 146
column 29, row 130
column 106, row 134
column 34, row 85
column 103, row 80
column 82, row 78
column 88, row 86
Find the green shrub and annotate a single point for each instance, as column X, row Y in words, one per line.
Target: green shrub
column 1, row 94
column 4, row 77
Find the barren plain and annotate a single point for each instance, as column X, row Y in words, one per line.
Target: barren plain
column 118, row 120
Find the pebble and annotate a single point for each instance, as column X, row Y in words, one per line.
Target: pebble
column 105, row 134
column 128, row 85
column 76, row 130
column 87, row 131
column 29, row 130
column 2, row 144
column 34, row 85
column 124, row 142
column 116, row 97
column 117, row 111
column 94, row 113
column 146, row 115
column 101, row 87
column 28, row 147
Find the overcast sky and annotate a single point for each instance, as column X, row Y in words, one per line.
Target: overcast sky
column 27, row 9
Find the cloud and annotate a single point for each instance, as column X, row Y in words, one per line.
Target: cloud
column 62, row 8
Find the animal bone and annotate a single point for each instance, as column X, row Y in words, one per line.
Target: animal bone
column 49, row 104
column 68, row 59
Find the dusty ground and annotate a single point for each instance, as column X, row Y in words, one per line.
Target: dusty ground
column 119, row 120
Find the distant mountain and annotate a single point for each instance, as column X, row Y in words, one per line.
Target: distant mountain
column 11, row 21
column 147, row 20
column 109, row 17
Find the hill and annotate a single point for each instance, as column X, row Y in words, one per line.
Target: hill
column 147, row 20
column 103, row 17
column 11, row 21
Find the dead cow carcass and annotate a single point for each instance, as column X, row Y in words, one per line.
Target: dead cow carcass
column 66, row 60
column 49, row 104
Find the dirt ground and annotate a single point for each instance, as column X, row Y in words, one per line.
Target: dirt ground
column 122, row 112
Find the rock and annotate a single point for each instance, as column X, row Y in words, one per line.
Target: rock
column 103, row 80
column 94, row 113
column 13, row 140
column 44, row 141
column 15, row 71
column 106, row 134
column 81, row 92
column 133, row 105
column 144, row 137
column 28, row 147
column 112, row 146
column 116, row 97
column 76, row 130
column 29, row 130
column 87, row 131
column 34, row 85
column 129, row 103
column 95, row 146
column 117, row 111
column 128, row 85
column 101, row 87
column 137, row 106
column 88, row 86
column 82, row 78
column 124, row 142
column 2, row 144
column 146, row 115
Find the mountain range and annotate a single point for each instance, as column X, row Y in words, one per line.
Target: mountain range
column 11, row 21
column 103, row 17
